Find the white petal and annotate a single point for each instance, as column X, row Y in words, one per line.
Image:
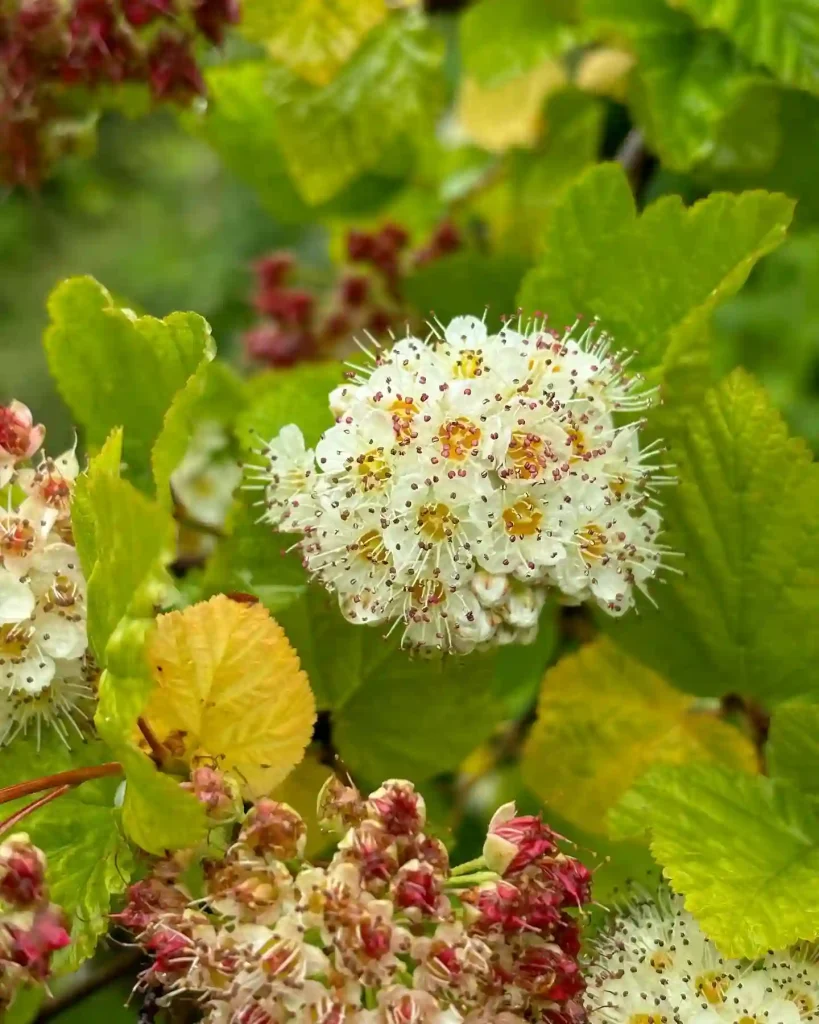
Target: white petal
column 32, row 675
column 466, row 332
column 16, row 598
column 60, row 638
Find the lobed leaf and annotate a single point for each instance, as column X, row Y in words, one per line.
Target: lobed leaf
column 743, row 849
column 793, row 745
column 603, row 721
column 115, row 369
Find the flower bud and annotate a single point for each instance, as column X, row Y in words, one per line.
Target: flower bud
column 339, row 807
column 514, row 842
column 274, row 830
column 22, row 872
column 398, row 807
column 32, row 947
column 218, row 793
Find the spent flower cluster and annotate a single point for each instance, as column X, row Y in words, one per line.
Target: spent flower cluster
column 369, row 294
column 466, row 475
column 46, row 673
column 655, row 966
column 386, row 933
column 47, row 46
column 31, row 928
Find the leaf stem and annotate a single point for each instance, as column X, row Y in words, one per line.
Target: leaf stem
column 159, row 751
column 467, row 881
column 17, row 817
column 74, row 777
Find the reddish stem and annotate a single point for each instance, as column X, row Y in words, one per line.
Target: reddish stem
column 158, row 749
column 16, row 818
column 74, row 777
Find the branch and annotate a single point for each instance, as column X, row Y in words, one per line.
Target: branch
column 159, row 751
column 15, row 819
column 74, row 777
column 632, row 155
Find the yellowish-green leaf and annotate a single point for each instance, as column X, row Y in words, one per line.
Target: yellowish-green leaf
column 603, row 720
column 498, row 117
column 115, row 369
column 743, row 849
column 314, row 38
column 744, row 515
column 230, row 685
column 793, row 745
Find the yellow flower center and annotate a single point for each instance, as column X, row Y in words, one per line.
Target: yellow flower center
column 427, row 592
column 370, row 546
column 435, row 521
column 523, row 518
column 805, row 1002
column 62, row 593
column 578, row 441
column 645, row 1018
column 468, row 365
column 402, row 411
column 14, row 640
column 660, row 960
column 748, row 1020
column 592, row 543
column 17, row 538
column 712, row 986
column 458, row 438
column 373, row 469
column 528, row 454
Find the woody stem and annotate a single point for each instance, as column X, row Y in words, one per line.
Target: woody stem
column 17, row 817
column 159, row 751
column 74, row 777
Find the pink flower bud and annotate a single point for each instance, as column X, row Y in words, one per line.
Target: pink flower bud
column 398, row 807
column 215, row 791
column 514, row 842
column 31, row 948
column 22, row 872
column 274, row 830
column 548, row 974
column 417, row 887
column 19, row 437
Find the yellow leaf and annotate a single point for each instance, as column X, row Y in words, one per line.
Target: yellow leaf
column 230, row 688
column 603, row 720
column 510, row 114
column 605, row 72
column 314, row 38
column 300, row 790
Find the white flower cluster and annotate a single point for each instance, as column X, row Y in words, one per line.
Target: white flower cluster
column 657, row 967
column 466, row 474
column 45, row 675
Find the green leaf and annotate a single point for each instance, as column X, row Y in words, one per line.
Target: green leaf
column 466, row 281
column 26, row 1006
column 214, row 394
column 116, row 369
column 782, row 35
column 313, row 38
column 652, row 279
column 133, row 538
column 88, row 859
column 412, row 717
column 744, row 515
column 499, row 40
column 157, row 814
column 603, row 720
column 299, row 395
column 743, row 849
column 390, row 89
column 686, row 83
column 793, row 745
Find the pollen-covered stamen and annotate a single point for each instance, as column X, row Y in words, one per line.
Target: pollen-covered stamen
column 468, row 365
column 373, row 469
column 18, row 538
column 436, row 521
column 529, row 454
column 523, row 518
column 15, row 641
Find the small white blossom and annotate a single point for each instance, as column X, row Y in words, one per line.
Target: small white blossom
column 656, row 965
column 467, row 474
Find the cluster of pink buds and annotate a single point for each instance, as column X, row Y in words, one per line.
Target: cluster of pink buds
column 31, row 928
column 384, row 932
column 49, row 46
column 367, row 297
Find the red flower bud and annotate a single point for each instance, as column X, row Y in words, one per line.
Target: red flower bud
column 398, row 808
column 514, row 842
column 275, row 830
column 22, row 872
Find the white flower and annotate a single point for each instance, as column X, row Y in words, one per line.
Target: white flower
column 471, row 456
column 204, row 481
column 656, row 965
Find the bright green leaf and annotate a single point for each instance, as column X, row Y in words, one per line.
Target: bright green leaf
column 116, row 369
column 744, row 850
column 213, row 395
column 793, row 745
column 314, row 38
column 782, row 35
column 25, row 1007
column 743, row 514
column 686, row 82
column 392, row 87
column 603, row 720
column 466, row 281
column 652, row 279
column 500, row 41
